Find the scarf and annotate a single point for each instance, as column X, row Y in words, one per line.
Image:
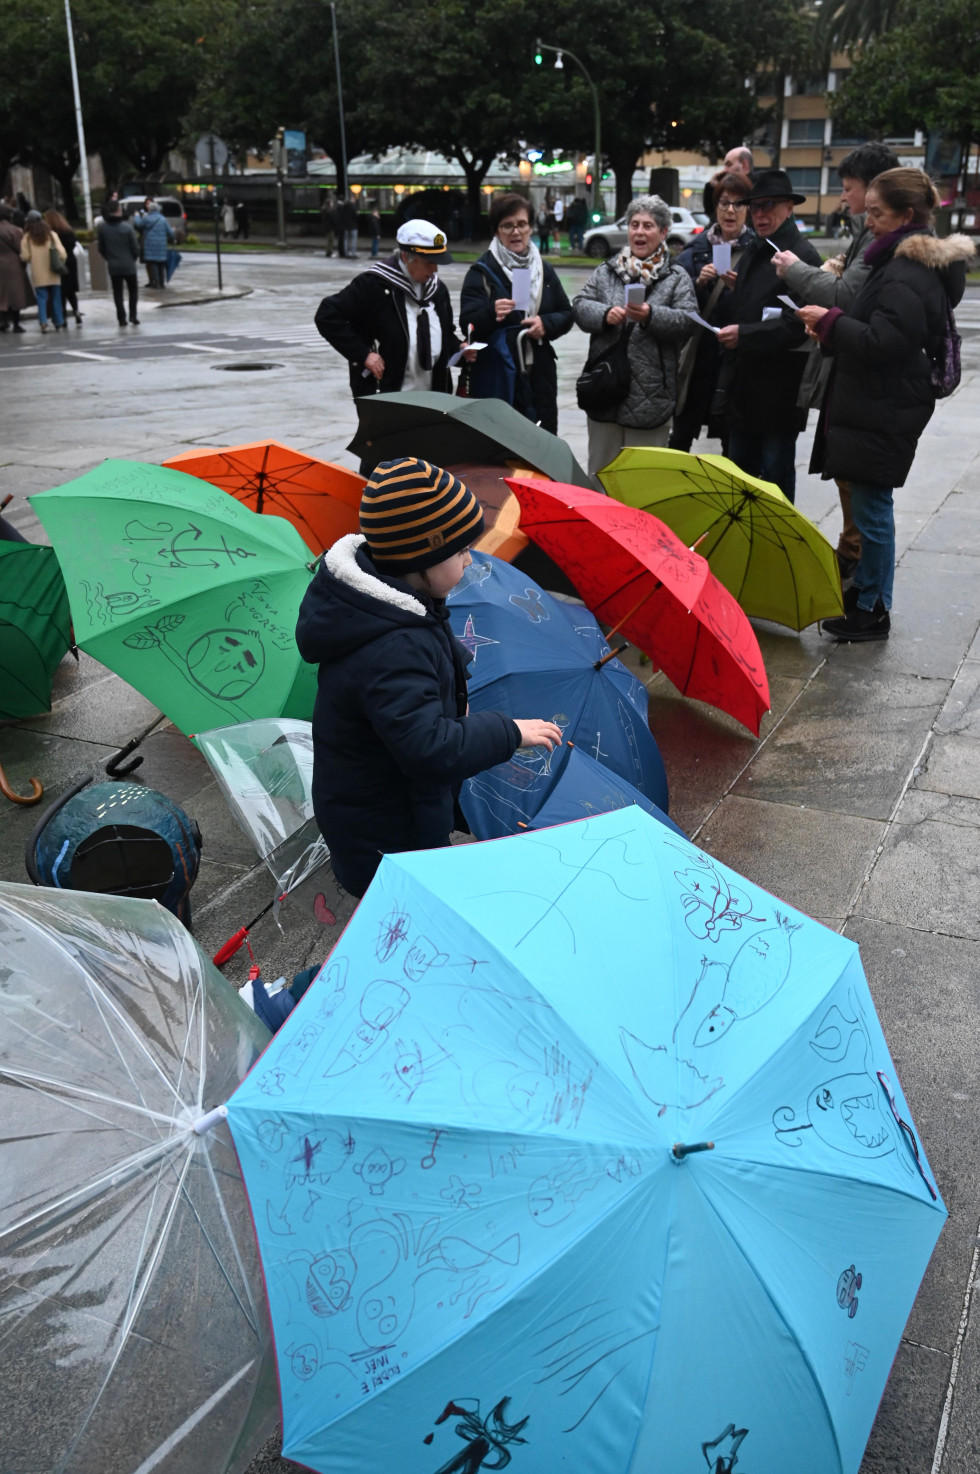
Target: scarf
column 882, row 245
column 423, row 293
column 630, row 268
column 508, row 259
column 714, row 237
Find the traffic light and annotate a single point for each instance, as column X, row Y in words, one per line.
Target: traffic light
column 538, row 58
column 588, row 178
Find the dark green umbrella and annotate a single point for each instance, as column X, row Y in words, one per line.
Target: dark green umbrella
column 446, row 430
column 35, row 627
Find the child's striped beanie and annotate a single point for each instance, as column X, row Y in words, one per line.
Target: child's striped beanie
column 414, row 515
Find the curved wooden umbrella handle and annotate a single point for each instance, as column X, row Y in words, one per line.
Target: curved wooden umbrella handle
column 20, row 798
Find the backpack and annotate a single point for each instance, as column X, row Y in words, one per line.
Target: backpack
column 945, row 375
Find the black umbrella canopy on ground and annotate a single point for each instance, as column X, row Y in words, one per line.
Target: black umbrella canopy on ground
column 444, row 429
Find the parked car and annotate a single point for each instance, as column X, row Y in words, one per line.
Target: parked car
column 605, row 240
column 171, row 207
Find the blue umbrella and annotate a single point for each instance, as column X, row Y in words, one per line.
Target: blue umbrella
column 535, row 656
column 583, row 1152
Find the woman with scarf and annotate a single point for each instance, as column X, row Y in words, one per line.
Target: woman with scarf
column 891, row 349
column 701, row 358
column 657, row 326
column 519, row 363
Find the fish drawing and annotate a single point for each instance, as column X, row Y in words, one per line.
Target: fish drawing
column 752, row 979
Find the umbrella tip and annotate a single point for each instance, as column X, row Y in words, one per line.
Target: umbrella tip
column 204, row 1123
column 682, row 1149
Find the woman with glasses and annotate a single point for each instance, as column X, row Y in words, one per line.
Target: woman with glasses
column 519, row 363
column 700, row 359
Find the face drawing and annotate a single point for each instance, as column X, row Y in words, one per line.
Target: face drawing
column 227, row 663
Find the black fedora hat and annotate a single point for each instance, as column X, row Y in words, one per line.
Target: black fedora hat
column 774, row 184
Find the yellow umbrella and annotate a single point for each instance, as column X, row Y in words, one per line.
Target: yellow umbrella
column 766, row 552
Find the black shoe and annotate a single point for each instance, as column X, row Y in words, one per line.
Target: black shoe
column 18, row 329
column 135, row 321
column 122, row 322
column 846, row 565
column 859, row 625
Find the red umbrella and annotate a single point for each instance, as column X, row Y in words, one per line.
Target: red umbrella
column 636, row 576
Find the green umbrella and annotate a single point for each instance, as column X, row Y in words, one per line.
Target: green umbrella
column 446, row 430
column 766, row 553
column 184, row 592
column 35, row 627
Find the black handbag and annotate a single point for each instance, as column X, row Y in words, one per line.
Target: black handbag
column 605, row 381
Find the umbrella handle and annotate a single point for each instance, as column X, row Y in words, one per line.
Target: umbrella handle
column 20, row 798
column 115, row 767
column 609, row 655
column 234, row 944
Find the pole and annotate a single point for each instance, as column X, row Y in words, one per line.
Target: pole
column 340, row 99
column 217, row 210
column 83, row 155
column 597, row 171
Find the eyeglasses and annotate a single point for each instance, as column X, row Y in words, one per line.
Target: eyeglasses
column 733, row 205
column 509, row 226
column 764, row 205
column 908, row 1135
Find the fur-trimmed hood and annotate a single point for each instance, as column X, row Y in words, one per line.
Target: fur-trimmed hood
column 937, row 252
column 350, row 603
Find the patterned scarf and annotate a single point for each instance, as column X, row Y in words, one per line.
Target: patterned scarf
column 508, row 259
column 714, row 237
column 630, row 268
column 423, row 293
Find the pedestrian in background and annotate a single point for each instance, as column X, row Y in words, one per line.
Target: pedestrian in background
column 228, row 219
column 543, row 223
column 558, row 220
column 328, row 218
column 43, row 252
column 738, row 160
column 763, row 367
column 242, row 221
column 347, row 227
column 374, row 227
column 157, row 235
column 576, row 218
column 519, row 363
column 118, row 244
column 655, row 330
column 701, row 357
column 69, row 282
column 836, row 284
column 886, row 347
column 15, row 289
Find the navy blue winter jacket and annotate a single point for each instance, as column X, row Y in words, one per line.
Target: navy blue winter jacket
column 391, row 741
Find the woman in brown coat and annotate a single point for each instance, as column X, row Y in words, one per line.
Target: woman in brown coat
column 40, row 246
column 15, row 289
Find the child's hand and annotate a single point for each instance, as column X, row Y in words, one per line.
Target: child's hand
column 539, row 734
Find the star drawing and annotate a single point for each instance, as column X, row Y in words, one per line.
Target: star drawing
column 471, row 641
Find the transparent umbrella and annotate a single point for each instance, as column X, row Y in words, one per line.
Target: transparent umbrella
column 135, row 1328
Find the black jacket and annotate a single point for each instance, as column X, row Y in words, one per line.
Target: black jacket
column 764, row 380
column 118, row 244
column 880, row 398
column 704, row 372
column 536, row 393
column 391, row 739
column 370, row 316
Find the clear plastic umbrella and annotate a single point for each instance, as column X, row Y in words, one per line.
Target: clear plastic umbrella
column 265, row 771
column 134, row 1322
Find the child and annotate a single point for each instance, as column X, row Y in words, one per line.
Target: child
column 392, row 738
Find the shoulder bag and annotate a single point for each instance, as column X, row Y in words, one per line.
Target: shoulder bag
column 605, row 381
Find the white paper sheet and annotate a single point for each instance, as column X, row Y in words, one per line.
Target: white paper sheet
column 521, row 288
column 768, row 313
column 787, row 301
column 460, row 351
column 721, row 257
column 696, row 317
column 635, row 294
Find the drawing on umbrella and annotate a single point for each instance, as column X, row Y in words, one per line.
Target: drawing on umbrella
column 483, row 1436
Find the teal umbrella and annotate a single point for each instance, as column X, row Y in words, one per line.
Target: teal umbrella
column 184, row 592
column 35, row 627
column 446, row 430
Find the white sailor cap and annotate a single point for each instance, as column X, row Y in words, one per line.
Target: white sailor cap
column 424, row 238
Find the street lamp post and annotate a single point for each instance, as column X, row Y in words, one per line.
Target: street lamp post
column 340, row 102
column 86, row 188
column 563, row 51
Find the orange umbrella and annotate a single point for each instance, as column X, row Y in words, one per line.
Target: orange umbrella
column 319, row 498
column 501, row 509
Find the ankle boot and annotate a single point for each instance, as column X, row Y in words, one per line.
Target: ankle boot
column 859, row 625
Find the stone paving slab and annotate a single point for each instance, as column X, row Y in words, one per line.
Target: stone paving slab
column 928, row 874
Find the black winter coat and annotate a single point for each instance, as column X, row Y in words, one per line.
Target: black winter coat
column 391, row 739
column 536, row 393
column 704, row 375
column 880, row 398
column 369, row 316
column 764, row 380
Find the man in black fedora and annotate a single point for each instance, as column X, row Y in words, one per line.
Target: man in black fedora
column 766, row 342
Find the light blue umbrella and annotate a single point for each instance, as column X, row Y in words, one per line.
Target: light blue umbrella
column 536, row 656
column 583, row 1153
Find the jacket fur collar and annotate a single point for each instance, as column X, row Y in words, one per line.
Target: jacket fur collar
column 938, row 252
column 342, row 562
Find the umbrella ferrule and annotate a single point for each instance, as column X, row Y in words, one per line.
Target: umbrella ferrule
column 682, row 1149
column 204, row 1123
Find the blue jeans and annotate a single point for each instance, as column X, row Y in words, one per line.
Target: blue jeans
column 41, row 293
column 770, row 456
column 874, row 518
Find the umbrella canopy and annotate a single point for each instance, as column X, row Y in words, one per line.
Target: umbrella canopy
column 444, row 429
column 265, row 771
column 319, row 498
column 35, row 627
column 639, row 578
column 183, row 592
column 762, row 548
column 501, row 509
column 534, row 656
column 132, row 1300
column 471, row 1155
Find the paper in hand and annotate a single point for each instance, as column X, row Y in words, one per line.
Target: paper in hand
column 465, row 349
column 521, row 288
column 721, row 257
column 787, row 302
column 768, row 313
column 635, row 294
column 696, row 317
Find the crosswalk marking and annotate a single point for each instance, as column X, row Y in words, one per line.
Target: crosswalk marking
column 80, row 353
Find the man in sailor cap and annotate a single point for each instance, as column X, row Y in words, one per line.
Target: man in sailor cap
column 394, row 323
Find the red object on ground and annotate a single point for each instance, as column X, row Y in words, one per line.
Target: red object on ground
column 637, row 576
